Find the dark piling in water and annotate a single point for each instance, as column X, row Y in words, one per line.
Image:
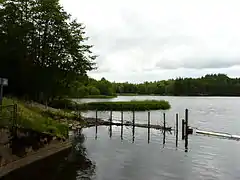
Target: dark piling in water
column 186, row 129
column 176, row 130
column 183, row 124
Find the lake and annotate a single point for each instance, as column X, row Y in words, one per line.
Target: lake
column 108, row 155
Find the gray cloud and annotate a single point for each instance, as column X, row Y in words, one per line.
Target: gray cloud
column 140, row 40
column 199, row 63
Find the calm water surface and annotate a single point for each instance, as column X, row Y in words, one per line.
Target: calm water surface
column 108, row 156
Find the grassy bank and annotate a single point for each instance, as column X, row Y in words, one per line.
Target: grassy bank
column 126, row 106
column 38, row 119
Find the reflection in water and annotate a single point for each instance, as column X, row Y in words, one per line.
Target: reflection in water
column 110, row 131
column 164, row 138
column 133, row 134
column 77, row 165
column 121, row 132
column 148, row 135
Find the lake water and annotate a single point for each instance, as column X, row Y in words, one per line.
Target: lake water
column 108, row 155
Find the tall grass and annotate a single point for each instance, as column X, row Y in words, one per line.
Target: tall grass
column 32, row 119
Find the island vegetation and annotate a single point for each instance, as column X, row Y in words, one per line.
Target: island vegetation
column 127, row 106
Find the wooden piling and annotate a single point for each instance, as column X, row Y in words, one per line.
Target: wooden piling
column 96, row 116
column 148, row 127
column 133, row 118
column 96, row 125
column 186, row 129
column 122, row 116
column 176, row 130
column 111, row 116
column 183, row 124
column 164, row 129
column 164, row 121
column 149, row 119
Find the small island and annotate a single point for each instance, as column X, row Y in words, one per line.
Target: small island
column 126, row 105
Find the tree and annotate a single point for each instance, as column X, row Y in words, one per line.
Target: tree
column 42, row 49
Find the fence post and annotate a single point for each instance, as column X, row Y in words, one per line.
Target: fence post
column 176, row 130
column 186, row 129
column 14, row 125
column 183, row 124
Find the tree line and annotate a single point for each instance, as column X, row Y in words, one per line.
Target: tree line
column 208, row 85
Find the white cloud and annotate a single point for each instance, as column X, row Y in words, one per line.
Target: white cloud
column 140, row 40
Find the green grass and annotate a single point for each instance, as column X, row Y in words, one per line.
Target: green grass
column 33, row 118
column 99, row 96
column 126, row 106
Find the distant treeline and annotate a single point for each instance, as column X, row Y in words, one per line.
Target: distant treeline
column 209, row 85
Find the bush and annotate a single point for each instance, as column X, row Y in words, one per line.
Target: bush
column 63, row 104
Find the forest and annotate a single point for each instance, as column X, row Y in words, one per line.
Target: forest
column 45, row 55
column 208, row 85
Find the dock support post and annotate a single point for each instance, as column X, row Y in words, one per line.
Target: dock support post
column 96, row 124
column 133, row 118
column 149, row 127
column 164, row 121
column 111, row 116
column 176, row 130
column 149, row 119
column 122, row 117
column 186, row 129
column 183, row 124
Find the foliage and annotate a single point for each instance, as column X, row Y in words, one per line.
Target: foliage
column 127, row 106
column 43, row 51
column 209, row 85
column 63, row 104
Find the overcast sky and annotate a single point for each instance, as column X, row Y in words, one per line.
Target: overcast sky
column 147, row 40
